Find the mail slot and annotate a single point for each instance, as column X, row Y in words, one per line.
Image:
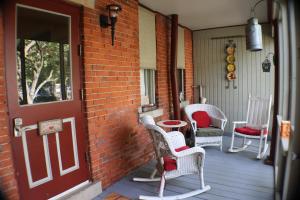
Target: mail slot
column 50, row 126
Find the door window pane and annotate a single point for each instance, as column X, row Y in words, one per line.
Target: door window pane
column 147, row 86
column 43, row 57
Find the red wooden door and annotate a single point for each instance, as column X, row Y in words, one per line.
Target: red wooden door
column 43, row 83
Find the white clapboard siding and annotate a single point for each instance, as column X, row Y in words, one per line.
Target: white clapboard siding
column 210, row 70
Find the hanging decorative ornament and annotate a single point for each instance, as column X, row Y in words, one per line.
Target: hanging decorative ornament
column 266, row 65
column 229, row 48
column 230, row 59
column 230, row 68
column 253, row 31
column 253, row 35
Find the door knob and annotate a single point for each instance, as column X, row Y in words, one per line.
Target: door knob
column 18, row 122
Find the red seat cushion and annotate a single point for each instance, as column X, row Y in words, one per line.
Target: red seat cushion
column 249, row 131
column 169, row 163
column 182, row 148
column 174, row 122
column 202, row 118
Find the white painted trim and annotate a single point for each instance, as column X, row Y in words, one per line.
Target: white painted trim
column 147, row 85
column 75, row 150
column 154, row 113
column 49, row 177
column 69, row 191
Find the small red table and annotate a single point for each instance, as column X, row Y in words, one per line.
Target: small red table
column 171, row 124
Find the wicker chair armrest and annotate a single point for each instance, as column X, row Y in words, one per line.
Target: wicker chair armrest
column 217, row 122
column 190, row 151
column 235, row 123
column 239, row 122
column 176, row 138
column 194, row 125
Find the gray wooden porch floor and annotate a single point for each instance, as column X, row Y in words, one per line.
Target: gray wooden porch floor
column 231, row 176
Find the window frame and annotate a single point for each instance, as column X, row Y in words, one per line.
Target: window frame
column 148, row 87
column 181, row 84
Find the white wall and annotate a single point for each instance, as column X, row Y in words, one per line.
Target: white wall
column 210, row 70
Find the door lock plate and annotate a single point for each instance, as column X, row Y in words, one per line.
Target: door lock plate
column 18, row 122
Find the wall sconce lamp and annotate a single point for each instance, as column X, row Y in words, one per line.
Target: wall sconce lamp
column 106, row 21
column 253, row 32
column 266, row 65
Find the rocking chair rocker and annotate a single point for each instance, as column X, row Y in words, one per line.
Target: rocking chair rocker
column 256, row 125
column 173, row 161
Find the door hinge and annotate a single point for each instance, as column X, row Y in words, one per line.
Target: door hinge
column 88, row 162
column 87, row 157
column 81, row 94
column 80, row 50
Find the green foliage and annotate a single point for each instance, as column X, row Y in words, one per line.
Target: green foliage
column 42, row 70
column 46, row 52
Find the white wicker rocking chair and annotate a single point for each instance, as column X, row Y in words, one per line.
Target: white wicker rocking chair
column 256, row 125
column 172, row 161
column 218, row 120
column 176, row 137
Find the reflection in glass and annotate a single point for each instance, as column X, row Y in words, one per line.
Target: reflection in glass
column 43, row 57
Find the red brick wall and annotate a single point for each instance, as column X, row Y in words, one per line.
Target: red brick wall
column 189, row 67
column 8, row 184
column 163, row 32
column 117, row 143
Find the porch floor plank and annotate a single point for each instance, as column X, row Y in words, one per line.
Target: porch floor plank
column 236, row 176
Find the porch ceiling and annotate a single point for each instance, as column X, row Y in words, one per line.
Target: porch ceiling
column 202, row 14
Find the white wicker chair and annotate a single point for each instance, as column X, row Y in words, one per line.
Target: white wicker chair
column 218, row 120
column 176, row 138
column 188, row 161
column 256, row 125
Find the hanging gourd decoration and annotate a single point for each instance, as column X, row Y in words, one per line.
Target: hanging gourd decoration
column 230, row 59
